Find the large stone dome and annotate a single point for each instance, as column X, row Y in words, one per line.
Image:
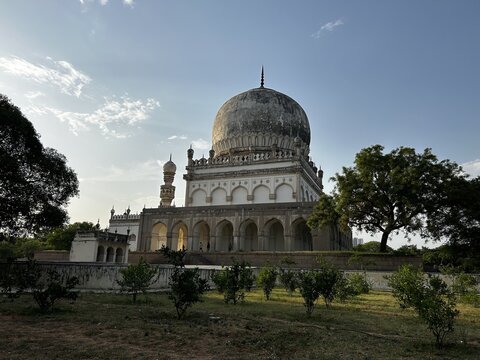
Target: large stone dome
column 256, row 120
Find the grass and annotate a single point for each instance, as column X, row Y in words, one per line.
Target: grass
column 108, row 326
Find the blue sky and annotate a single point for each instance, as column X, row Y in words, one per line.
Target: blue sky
column 116, row 86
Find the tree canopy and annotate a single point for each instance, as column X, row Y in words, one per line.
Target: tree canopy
column 35, row 182
column 61, row 238
column 390, row 192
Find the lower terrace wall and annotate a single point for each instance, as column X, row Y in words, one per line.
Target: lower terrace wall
column 102, row 277
column 305, row 260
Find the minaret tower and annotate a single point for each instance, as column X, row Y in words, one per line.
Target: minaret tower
column 167, row 190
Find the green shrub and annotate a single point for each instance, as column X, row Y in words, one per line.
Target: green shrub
column 431, row 298
column 359, row 283
column 239, row 278
column 309, row 289
column 288, row 278
column 327, row 279
column 137, row 278
column 267, row 277
column 463, row 285
column 219, row 278
column 186, row 288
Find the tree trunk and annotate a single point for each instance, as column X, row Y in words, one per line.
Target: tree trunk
column 383, row 243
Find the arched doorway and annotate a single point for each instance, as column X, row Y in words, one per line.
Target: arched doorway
column 119, row 255
column 248, row 236
column 179, row 236
column 159, row 236
column 201, row 237
column 100, row 253
column 274, row 236
column 302, row 236
column 224, row 236
column 110, row 254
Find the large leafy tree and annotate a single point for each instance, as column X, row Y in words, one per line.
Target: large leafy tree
column 61, row 238
column 35, row 182
column 389, row 192
column 455, row 216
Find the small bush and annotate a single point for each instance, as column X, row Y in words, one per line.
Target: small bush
column 328, row 277
column 186, row 289
column 463, row 285
column 359, row 283
column 267, row 278
column 239, row 278
column 219, row 278
column 309, row 289
column 431, row 298
column 288, row 278
column 47, row 286
column 137, row 278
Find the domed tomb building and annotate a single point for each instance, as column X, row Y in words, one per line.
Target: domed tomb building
column 254, row 192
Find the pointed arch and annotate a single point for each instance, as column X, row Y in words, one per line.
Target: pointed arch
column 219, row 196
column 274, row 235
column 224, row 236
column 201, row 236
column 261, row 194
column 199, row 197
column 158, row 236
column 179, row 236
column 284, row 193
column 249, row 235
column 239, row 195
column 302, row 236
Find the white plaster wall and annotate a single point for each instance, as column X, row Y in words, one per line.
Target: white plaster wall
column 84, row 250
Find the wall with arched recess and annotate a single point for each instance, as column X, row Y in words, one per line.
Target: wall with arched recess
column 201, row 237
column 158, row 236
column 284, row 193
column 224, row 236
column 239, row 195
column 199, row 198
column 261, row 194
column 219, row 196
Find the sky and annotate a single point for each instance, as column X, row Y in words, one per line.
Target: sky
column 119, row 85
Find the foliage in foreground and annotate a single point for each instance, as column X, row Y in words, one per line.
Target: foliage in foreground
column 36, row 182
column 186, row 286
column 137, row 278
column 267, row 277
column 233, row 281
column 431, row 298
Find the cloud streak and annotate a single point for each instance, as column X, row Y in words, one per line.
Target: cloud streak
column 472, row 167
column 201, row 144
column 329, row 27
column 181, row 137
column 112, row 117
column 60, row 73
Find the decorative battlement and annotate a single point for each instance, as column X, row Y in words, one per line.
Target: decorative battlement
column 125, row 217
column 243, row 159
column 103, row 235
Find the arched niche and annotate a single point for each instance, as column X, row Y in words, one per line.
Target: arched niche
column 158, row 236
column 274, row 235
column 201, row 237
column 179, row 236
column 199, row 197
column 261, row 195
column 248, row 236
column 302, row 236
column 110, row 255
column 119, row 255
column 100, row 253
column 239, row 195
column 224, row 236
column 284, row 193
column 219, row 196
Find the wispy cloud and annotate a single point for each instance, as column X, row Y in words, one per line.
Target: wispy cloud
column 129, row 3
column 113, row 117
column 181, row 137
column 472, row 167
column 201, row 144
column 34, row 94
column 330, row 26
column 59, row 73
column 145, row 171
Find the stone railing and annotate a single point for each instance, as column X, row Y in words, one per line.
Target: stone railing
column 244, row 158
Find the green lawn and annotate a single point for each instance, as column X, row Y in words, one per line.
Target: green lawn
column 106, row 326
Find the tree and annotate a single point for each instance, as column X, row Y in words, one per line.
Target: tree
column 61, row 238
column 433, row 301
column 186, row 286
column 35, row 182
column 456, row 215
column 390, row 192
column 267, row 278
column 137, row 278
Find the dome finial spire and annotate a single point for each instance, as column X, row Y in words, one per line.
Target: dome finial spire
column 262, row 79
